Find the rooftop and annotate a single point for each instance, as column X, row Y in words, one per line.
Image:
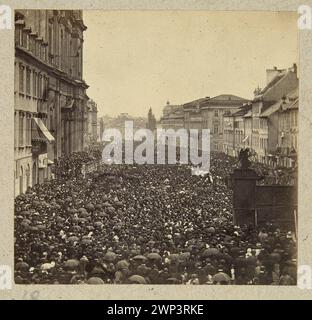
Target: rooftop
column 222, row 99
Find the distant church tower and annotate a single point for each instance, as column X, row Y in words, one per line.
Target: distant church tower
column 151, row 120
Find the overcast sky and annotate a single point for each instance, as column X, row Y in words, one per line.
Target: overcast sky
column 134, row 60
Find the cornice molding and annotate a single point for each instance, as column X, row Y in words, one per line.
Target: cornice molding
column 30, row 58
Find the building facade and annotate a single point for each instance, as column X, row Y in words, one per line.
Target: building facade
column 234, row 130
column 269, row 122
column 173, row 117
column 287, row 148
column 50, row 100
column 262, row 130
column 203, row 113
column 213, row 111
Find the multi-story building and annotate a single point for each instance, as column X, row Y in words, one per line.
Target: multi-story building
column 261, row 126
column 267, row 125
column 234, row 130
column 207, row 113
column 203, row 113
column 193, row 117
column 213, row 111
column 287, row 145
column 49, row 91
column 173, row 117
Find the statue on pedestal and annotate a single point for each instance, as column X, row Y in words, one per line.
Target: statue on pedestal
column 243, row 158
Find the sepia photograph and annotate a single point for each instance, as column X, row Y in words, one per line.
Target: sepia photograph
column 155, row 147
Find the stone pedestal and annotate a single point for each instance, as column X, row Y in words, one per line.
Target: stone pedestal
column 244, row 196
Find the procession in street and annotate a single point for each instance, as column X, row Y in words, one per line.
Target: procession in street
column 81, row 219
column 146, row 225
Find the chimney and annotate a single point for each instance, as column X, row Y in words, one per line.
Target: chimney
column 272, row 73
column 295, row 68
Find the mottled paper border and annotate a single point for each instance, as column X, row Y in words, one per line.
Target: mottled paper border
column 151, row 292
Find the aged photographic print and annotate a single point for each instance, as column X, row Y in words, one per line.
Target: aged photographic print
column 156, row 147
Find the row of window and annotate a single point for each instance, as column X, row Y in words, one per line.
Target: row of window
column 255, row 123
column 21, row 177
column 263, row 123
column 239, row 137
column 30, row 42
column 258, row 142
column 65, row 52
column 290, row 140
column 255, row 142
column 248, row 124
column 33, row 83
column 216, row 113
column 263, row 143
column 173, row 124
column 24, row 130
column 258, row 123
column 60, row 53
column 289, row 119
column 228, row 136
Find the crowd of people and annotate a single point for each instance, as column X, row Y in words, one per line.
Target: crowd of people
column 70, row 166
column 276, row 176
column 143, row 224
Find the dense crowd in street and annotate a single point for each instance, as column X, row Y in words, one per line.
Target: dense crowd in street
column 145, row 224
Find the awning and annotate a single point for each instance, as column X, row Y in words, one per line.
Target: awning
column 43, row 132
column 248, row 114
